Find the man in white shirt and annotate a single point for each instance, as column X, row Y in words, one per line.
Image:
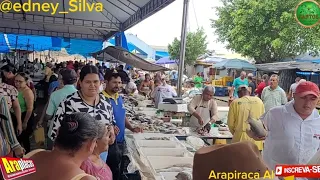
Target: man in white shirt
column 131, row 88
column 293, row 129
column 273, row 95
column 163, row 91
column 293, row 88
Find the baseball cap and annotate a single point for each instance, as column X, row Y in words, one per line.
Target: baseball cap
column 69, row 75
column 243, row 86
column 307, row 88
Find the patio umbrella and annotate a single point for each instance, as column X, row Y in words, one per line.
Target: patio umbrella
column 235, row 64
column 166, row 60
column 213, row 60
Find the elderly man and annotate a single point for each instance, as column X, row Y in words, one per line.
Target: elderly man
column 293, row 129
column 68, row 77
column 242, row 80
column 240, row 111
column 203, row 108
column 163, row 91
column 273, row 95
column 131, row 88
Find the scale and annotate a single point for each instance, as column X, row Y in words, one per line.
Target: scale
column 173, row 105
column 174, row 109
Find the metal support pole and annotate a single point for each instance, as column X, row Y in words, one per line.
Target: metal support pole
column 183, row 45
column 15, row 51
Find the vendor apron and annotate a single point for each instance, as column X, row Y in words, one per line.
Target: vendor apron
column 204, row 114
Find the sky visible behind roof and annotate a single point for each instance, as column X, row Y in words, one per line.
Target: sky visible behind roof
column 161, row 28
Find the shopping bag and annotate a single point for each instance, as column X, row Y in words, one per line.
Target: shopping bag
column 39, row 135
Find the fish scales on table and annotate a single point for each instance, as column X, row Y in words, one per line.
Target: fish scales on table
column 176, row 168
column 148, row 124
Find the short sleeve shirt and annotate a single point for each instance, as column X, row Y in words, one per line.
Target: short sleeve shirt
column 73, row 103
column 57, row 97
column 9, row 92
column 253, row 88
column 238, row 82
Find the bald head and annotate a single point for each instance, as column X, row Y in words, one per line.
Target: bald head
column 208, row 93
column 302, row 80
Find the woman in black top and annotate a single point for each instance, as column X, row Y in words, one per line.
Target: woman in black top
column 252, row 86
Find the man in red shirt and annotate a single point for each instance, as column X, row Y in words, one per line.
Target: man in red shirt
column 265, row 82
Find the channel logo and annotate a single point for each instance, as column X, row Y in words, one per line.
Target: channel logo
column 13, row 168
column 278, row 170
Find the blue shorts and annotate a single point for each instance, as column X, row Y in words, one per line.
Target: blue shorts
column 104, row 156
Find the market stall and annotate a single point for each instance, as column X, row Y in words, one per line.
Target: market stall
column 165, row 149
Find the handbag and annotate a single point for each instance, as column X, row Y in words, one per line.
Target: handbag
column 4, row 143
column 39, row 135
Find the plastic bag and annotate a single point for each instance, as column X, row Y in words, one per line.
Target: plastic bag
column 39, row 135
column 195, row 142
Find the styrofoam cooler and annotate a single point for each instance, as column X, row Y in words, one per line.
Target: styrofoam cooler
column 158, row 144
column 162, row 162
column 169, row 175
column 143, row 136
column 175, row 152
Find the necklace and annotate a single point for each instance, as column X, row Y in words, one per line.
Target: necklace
column 85, row 100
column 94, row 103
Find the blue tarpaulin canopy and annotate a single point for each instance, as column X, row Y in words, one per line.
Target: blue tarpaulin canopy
column 3, row 45
column 235, row 64
column 41, row 43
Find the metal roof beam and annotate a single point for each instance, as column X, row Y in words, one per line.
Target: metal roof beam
column 60, row 21
column 50, row 33
column 147, row 10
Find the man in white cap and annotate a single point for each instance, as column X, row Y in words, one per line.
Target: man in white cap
column 240, row 111
column 293, row 129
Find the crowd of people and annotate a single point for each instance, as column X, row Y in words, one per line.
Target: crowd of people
column 291, row 120
column 85, row 118
column 75, row 93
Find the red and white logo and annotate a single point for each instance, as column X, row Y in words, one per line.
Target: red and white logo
column 304, row 171
column 279, row 170
column 13, row 168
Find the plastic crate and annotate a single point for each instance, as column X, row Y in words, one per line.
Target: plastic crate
column 227, row 79
column 220, row 91
column 217, row 83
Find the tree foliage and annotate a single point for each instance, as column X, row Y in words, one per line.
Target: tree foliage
column 196, row 45
column 265, row 30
